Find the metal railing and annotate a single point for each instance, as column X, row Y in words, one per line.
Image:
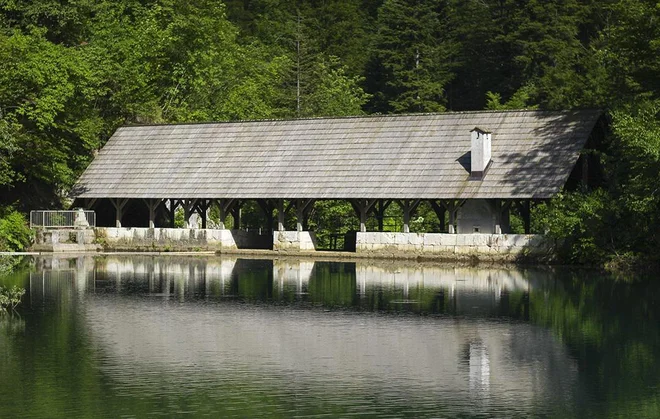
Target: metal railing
column 62, row 219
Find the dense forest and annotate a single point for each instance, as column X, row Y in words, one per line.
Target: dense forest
column 72, row 71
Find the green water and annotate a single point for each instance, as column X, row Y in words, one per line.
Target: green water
column 142, row 336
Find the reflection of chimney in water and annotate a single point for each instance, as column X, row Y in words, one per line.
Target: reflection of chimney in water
column 479, row 368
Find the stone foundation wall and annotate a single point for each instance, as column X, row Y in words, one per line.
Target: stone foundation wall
column 294, row 241
column 413, row 245
column 179, row 239
column 65, row 240
column 510, row 247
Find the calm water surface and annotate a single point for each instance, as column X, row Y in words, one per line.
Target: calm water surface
column 139, row 336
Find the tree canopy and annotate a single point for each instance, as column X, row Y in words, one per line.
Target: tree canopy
column 72, row 72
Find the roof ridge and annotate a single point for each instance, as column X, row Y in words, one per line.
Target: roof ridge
column 370, row 116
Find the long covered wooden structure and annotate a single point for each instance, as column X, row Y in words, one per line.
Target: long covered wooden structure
column 473, row 165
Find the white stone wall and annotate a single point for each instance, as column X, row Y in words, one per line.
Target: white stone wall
column 140, row 238
column 65, row 240
column 476, row 213
column 294, row 241
column 416, row 244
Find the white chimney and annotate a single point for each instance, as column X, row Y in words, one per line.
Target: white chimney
column 480, row 153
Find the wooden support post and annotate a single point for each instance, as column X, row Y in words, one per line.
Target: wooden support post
column 119, row 204
column 280, row 215
column 380, row 212
column 406, row 217
column 497, row 203
column 171, row 211
column 152, row 205
column 527, row 216
column 188, row 208
column 267, row 209
column 440, row 210
column 451, row 207
column 408, row 207
column 201, row 208
column 362, row 207
column 236, row 214
column 525, row 209
column 303, row 206
column 225, row 206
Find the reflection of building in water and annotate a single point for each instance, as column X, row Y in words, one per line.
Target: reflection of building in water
column 61, row 277
column 409, row 357
column 417, row 287
column 292, row 274
column 479, row 359
column 466, row 290
column 165, row 276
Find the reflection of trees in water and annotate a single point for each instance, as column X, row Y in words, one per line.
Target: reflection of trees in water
column 333, row 285
column 612, row 328
column 253, row 280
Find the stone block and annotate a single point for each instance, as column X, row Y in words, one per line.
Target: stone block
column 480, row 239
column 401, row 238
column 431, row 239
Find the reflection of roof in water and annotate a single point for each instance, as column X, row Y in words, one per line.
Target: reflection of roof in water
column 472, row 359
column 469, row 359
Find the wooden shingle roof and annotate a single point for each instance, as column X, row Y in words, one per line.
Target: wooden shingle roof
column 407, row 156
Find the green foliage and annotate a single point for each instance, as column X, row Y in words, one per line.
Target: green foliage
column 332, row 218
column 334, row 92
column 578, row 221
column 521, row 99
column 15, row 234
column 413, row 56
column 10, row 298
column 8, row 264
column 635, row 165
column 72, row 72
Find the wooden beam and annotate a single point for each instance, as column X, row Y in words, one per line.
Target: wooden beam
column 280, row 215
column 303, row 206
column 201, row 208
column 188, row 208
column 225, row 206
column 119, row 204
column 380, row 209
column 451, row 208
column 89, row 202
column 527, row 217
column 236, row 214
column 408, row 206
column 440, row 210
column 152, row 205
column 363, row 206
column 525, row 212
column 267, row 207
column 171, row 211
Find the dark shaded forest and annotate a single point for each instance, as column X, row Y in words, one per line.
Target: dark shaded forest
column 71, row 72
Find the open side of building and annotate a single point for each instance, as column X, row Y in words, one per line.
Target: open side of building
column 472, row 166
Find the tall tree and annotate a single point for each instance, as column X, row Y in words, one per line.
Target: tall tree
column 413, row 57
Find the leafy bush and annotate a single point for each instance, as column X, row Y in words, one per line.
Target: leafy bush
column 579, row 223
column 10, row 298
column 15, row 234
